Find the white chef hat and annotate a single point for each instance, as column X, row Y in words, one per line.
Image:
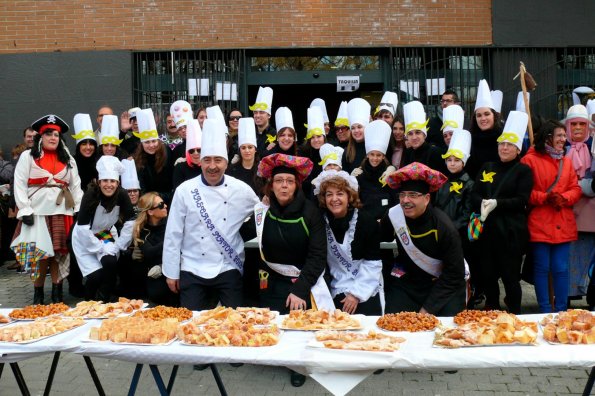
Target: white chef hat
column 214, row 141
column 132, row 112
column 415, row 117
column 83, row 128
column 283, row 119
column 182, row 112
column 520, row 102
column 331, row 174
column 484, row 96
column 320, row 103
column 315, row 122
column 578, row 92
column 591, row 111
column 377, row 136
column 460, row 145
column 147, row 129
column 246, row 132
column 454, row 117
column 497, row 97
column 389, row 102
column 342, row 115
column 109, row 168
column 330, row 154
column 358, row 111
column 264, row 100
column 110, row 130
column 193, row 135
column 515, row 129
column 129, row 175
column 577, row 111
column 215, row 112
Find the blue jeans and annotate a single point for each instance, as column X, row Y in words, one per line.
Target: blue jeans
column 551, row 258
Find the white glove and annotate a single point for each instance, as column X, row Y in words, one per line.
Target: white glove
column 356, row 172
column 235, row 159
column 110, row 249
column 389, row 170
column 180, row 160
column 487, row 205
column 155, row 272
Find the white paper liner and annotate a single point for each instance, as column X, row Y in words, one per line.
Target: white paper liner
column 320, row 345
column 127, row 343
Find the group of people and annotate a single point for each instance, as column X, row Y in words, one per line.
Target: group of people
column 465, row 207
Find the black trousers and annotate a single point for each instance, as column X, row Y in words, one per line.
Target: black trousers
column 370, row 307
column 195, row 291
column 276, row 293
column 101, row 284
column 160, row 294
column 404, row 296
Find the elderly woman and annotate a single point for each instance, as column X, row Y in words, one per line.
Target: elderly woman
column 292, row 241
column 353, row 245
column 552, row 225
column 95, row 241
column 501, row 194
column 47, row 191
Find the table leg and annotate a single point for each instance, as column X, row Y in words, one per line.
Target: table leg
column 218, row 379
column 172, row 378
column 158, row 380
column 1, row 369
column 94, row 376
column 18, row 376
column 48, row 384
column 589, row 384
column 135, row 378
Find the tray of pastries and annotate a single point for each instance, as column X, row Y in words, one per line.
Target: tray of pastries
column 101, row 310
column 475, row 315
column 162, row 312
column 4, row 320
column 247, row 315
column 31, row 312
column 228, row 334
column 24, row 333
column 408, row 321
column 371, row 341
column 312, row 320
column 506, row 329
column 136, row 331
column 575, row 326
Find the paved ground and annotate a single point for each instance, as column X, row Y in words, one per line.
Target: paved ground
column 72, row 377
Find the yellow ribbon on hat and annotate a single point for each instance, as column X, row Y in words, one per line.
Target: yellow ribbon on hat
column 147, row 135
column 313, row 132
column 86, row 133
column 508, row 137
column 454, row 152
column 329, row 156
column 271, row 138
column 456, row 187
column 262, row 106
column 488, row 177
column 111, row 140
column 451, row 123
column 416, row 125
column 341, row 121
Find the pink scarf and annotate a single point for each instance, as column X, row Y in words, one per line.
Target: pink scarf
column 581, row 158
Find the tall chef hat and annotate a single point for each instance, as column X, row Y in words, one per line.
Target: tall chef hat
column 83, row 128
column 129, row 175
column 247, row 132
column 515, row 129
column 358, row 111
column 460, row 145
column 520, row 103
column 342, row 115
column 389, row 102
column 109, row 168
column 415, row 117
column 591, row 112
column 497, row 97
column 110, row 130
column 320, row 103
column 377, row 136
column 330, row 154
column 214, row 141
column 182, row 112
column 215, row 112
column 147, row 129
column 132, row 112
column 193, row 135
column 577, row 93
column 283, row 119
column 315, row 122
column 454, row 117
column 484, row 97
column 264, row 100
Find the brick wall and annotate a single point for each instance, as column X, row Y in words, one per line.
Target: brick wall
column 67, row 25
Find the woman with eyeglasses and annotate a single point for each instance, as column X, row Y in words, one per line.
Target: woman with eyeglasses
column 233, row 123
column 342, row 131
column 190, row 168
column 47, row 192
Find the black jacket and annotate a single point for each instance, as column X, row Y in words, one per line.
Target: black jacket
column 183, row 172
column 426, row 154
column 484, row 148
column 248, row 176
column 295, row 235
column 152, row 245
column 261, row 139
column 161, row 182
column 360, row 154
column 376, row 199
column 454, row 198
column 366, row 240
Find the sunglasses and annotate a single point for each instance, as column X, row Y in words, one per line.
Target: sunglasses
column 160, row 205
column 235, row 118
column 194, row 150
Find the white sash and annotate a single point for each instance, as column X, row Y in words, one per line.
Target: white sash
column 320, row 293
column 214, row 232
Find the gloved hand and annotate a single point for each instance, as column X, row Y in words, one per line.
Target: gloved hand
column 556, row 200
column 137, row 254
column 389, row 170
column 28, row 220
column 235, row 159
column 356, row 172
column 487, row 205
column 155, row 272
column 180, row 160
column 110, row 249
